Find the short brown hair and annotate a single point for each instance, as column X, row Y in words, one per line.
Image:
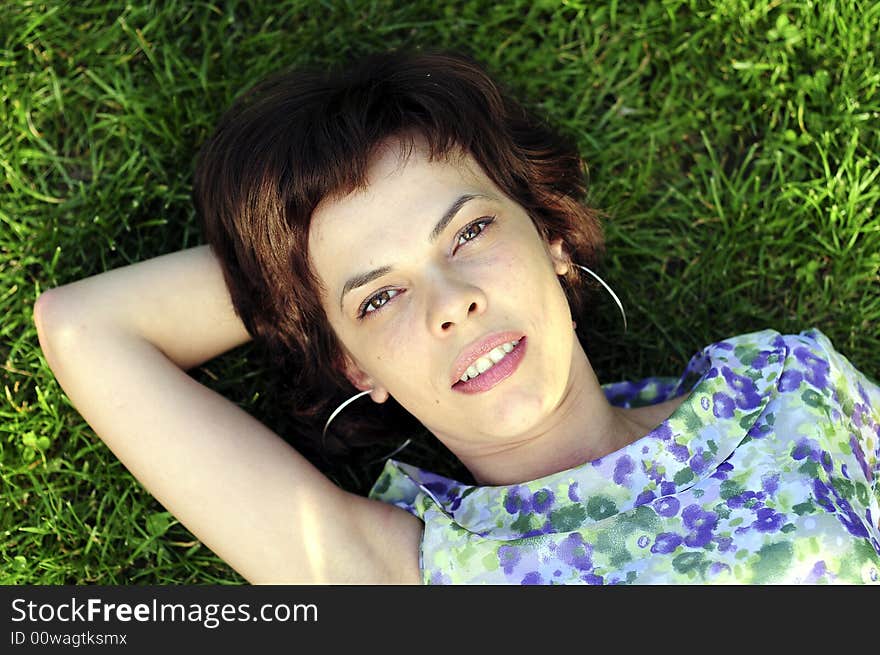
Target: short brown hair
column 306, row 134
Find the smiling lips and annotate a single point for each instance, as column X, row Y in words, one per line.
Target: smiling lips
column 492, row 362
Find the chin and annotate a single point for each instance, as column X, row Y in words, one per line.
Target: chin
column 516, row 415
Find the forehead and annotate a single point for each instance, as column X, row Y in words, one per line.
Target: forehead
column 406, row 194
column 403, row 178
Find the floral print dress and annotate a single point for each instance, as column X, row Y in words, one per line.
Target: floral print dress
column 766, row 473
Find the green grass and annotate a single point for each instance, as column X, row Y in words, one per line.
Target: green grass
column 733, row 144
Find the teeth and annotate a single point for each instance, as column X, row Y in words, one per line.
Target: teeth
column 496, row 354
column 488, row 360
column 483, row 364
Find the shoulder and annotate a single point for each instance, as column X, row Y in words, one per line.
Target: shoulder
column 824, row 366
column 808, row 355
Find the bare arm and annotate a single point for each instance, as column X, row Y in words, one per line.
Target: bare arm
column 119, row 344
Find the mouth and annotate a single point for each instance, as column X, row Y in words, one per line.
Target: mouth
column 496, row 374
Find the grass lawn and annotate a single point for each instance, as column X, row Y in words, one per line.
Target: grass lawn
column 733, row 145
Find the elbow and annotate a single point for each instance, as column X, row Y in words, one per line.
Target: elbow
column 40, row 306
column 41, row 309
column 47, row 317
column 45, row 311
column 41, row 318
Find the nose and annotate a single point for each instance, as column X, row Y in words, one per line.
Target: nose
column 453, row 301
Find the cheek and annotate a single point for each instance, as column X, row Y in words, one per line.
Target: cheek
column 400, row 363
column 396, row 347
column 519, row 271
column 504, row 259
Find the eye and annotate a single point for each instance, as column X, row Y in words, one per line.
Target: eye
column 377, row 301
column 483, row 221
column 374, row 300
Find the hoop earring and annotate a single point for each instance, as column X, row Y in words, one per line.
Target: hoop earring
column 407, row 442
column 609, row 289
column 339, row 409
column 345, row 404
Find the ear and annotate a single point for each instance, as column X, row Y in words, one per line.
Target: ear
column 362, row 381
column 561, row 262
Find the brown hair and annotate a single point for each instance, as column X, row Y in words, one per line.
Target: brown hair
column 306, row 134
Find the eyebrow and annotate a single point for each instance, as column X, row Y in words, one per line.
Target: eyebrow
column 362, row 279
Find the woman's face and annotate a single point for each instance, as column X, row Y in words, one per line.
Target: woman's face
column 407, row 299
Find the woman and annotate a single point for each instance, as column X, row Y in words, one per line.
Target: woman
column 405, row 230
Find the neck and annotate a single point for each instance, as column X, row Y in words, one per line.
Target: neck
column 583, row 427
